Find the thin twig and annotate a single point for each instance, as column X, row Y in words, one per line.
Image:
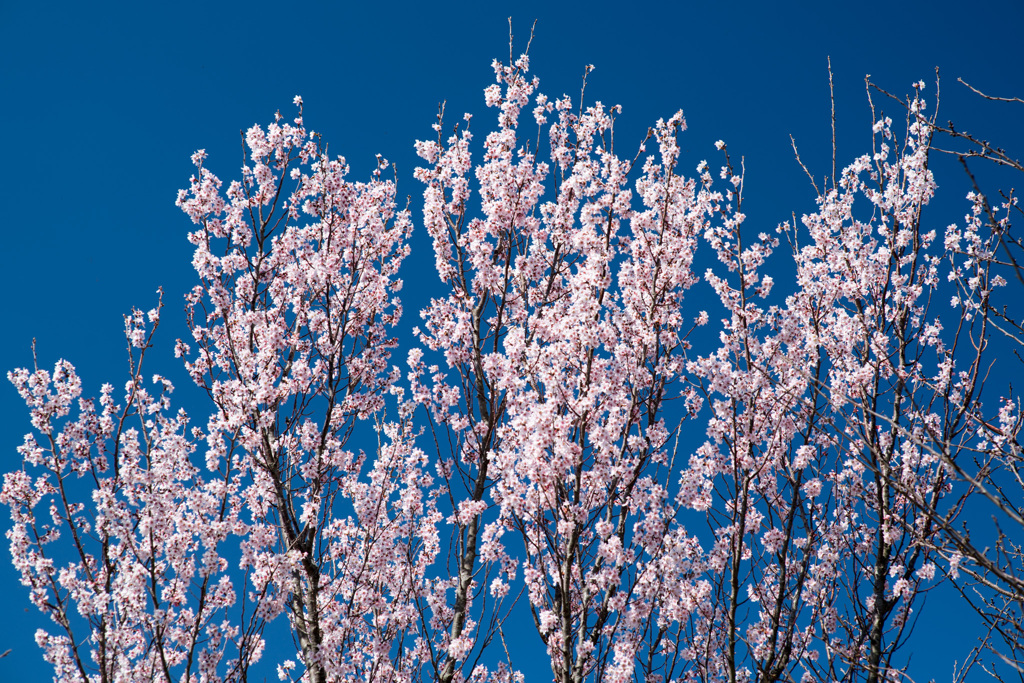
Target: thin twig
column 991, row 97
column 832, row 98
column 803, row 166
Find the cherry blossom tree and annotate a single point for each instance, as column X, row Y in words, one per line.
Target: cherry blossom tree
column 291, row 322
column 566, row 322
column 760, row 491
column 983, row 254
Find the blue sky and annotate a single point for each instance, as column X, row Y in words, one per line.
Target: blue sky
column 106, row 101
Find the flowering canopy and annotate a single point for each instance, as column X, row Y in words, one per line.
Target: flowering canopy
column 765, row 503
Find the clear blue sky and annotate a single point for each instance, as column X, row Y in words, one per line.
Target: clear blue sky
column 104, row 103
